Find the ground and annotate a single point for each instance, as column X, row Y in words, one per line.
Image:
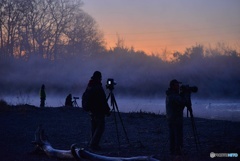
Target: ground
column 146, row 134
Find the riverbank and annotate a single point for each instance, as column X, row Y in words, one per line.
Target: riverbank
column 147, row 134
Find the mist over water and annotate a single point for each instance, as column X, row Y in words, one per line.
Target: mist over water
column 141, row 80
column 63, row 51
column 135, row 74
column 202, row 108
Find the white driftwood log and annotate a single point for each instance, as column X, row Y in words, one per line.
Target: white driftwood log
column 41, row 142
column 95, row 157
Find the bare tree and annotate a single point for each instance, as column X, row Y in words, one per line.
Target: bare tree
column 49, row 28
column 83, row 35
column 10, row 18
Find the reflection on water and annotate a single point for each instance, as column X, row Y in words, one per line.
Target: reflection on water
column 220, row 109
column 210, row 109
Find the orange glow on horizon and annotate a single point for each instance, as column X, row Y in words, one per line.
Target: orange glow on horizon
column 149, row 48
column 168, row 41
column 173, row 26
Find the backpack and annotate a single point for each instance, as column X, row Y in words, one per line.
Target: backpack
column 86, row 102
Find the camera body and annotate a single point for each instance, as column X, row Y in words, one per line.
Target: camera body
column 188, row 89
column 110, row 84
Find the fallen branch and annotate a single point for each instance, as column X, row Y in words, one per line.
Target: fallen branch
column 95, row 157
column 41, row 143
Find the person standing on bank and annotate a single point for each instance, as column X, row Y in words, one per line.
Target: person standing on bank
column 68, row 101
column 99, row 109
column 175, row 103
column 42, row 96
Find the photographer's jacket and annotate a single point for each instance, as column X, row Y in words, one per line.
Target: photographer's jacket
column 175, row 104
column 99, row 105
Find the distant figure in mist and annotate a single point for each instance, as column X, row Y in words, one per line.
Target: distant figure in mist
column 175, row 103
column 98, row 110
column 68, row 101
column 42, row 96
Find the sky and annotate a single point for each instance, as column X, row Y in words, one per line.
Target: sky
column 155, row 26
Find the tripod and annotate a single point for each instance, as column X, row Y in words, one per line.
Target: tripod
column 115, row 109
column 74, row 103
column 195, row 134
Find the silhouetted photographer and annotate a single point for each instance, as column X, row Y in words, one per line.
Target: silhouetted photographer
column 94, row 98
column 175, row 104
column 68, row 101
column 42, row 96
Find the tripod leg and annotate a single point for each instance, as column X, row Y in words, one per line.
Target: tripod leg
column 76, row 104
column 115, row 119
column 109, row 97
column 195, row 132
column 115, row 103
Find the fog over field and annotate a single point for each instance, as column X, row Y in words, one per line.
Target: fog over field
column 141, row 80
column 136, row 74
column 62, row 46
column 41, row 46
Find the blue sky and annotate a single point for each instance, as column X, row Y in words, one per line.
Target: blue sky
column 173, row 25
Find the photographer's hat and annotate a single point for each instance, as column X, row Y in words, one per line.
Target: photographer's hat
column 174, row 81
column 97, row 75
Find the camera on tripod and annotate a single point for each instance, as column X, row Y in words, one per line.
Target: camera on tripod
column 188, row 89
column 110, row 84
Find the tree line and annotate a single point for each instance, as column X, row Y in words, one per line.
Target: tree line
column 56, row 42
column 51, row 29
column 136, row 74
